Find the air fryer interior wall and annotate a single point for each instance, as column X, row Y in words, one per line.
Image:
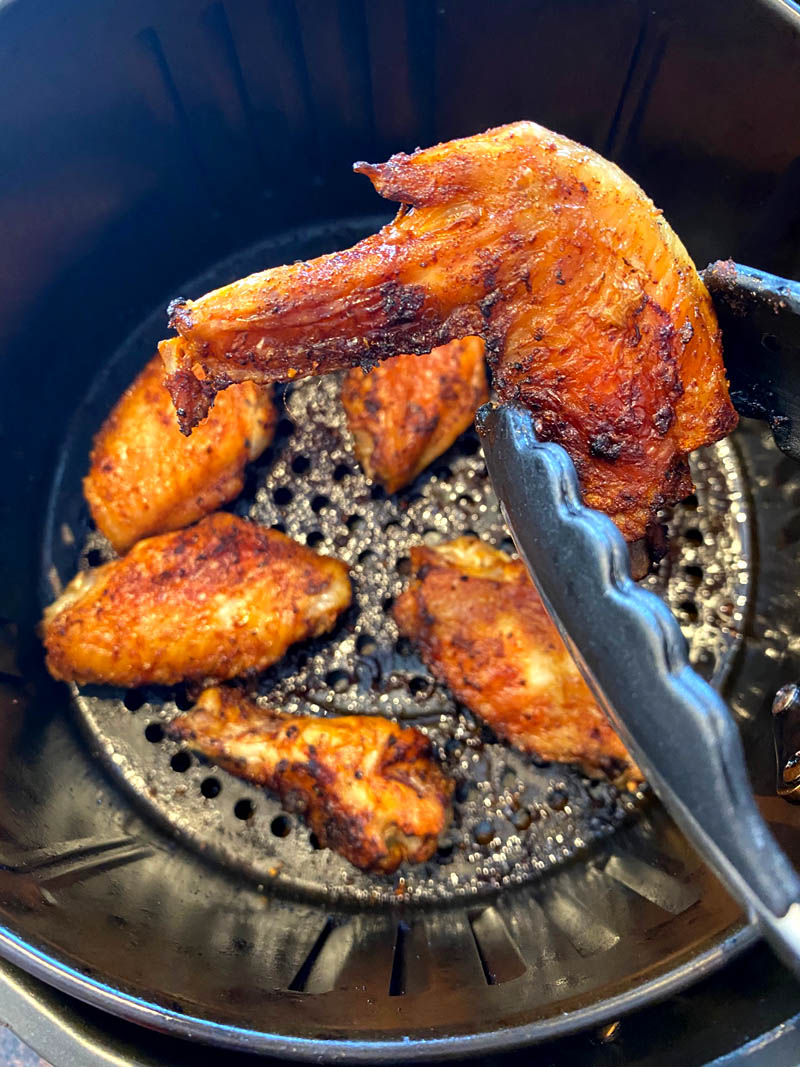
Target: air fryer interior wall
column 143, row 143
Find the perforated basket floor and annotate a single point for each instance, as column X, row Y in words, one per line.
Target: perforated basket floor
column 514, row 817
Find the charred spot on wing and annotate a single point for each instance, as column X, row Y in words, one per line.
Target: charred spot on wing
column 401, row 303
column 663, row 419
column 178, row 314
column 604, row 446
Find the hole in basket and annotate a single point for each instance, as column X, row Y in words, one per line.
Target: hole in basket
column 340, row 471
column 319, row 502
column 377, row 492
column 300, row 464
column 94, row 557
column 366, row 644
column 694, row 574
column 278, row 527
column 420, row 686
column 403, row 566
column 285, row 428
column 313, row 840
column 397, row 981
column 314, row 538
column 693, row 536
column 243, row 809
column 210, row 788
column 691, row 502
column 154, row 732
column 283, row 495
column 182, row 699
column 388, row 603
column 770, row 342
column 281, row 826
column 355, row 522
column 134, row 698
column 338, row 681
column 366, row 556
column 403, row 646
column 181, row 762
column 688, row 610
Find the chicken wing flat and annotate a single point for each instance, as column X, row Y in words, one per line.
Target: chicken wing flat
column 145, row 477
column 367, row 787
column 214, row 601
column 483, row 630
column 593, row 314
column 410, row 409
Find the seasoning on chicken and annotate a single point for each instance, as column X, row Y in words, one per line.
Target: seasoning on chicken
column 146, row 478
column 410, row 409
column 593, row 314
column 483, row 631
column 214, row 601
column 367, row 787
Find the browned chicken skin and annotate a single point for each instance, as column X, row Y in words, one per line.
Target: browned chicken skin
column 212, row 602
column 482, row 629
column 145, row 477
column 410, row 409
column 367, row 787
column 593, row 314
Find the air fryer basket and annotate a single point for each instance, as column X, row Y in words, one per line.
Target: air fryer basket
column 147, row 145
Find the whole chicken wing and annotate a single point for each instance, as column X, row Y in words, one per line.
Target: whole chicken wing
column 367, row 787
column 410, row 409
column 483, row 630
column 214, row 601
column 145, row 477
column 592, row 311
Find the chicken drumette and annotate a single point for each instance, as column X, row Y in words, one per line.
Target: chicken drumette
column 368, row 788
column 483, row 630
column 410, row 409
column 214, row 601
column 146, row 478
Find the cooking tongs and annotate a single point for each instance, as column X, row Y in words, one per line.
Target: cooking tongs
column 625, row 640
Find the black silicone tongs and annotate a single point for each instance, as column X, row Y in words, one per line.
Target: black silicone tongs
column 626, row 641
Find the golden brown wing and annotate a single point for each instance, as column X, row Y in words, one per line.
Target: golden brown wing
column 367, row 787
column 482, row 629
column 592, row 312
column 146, row 477
column 214, row 601
column 410, row 409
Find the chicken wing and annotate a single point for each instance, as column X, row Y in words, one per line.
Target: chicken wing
column 482, row 629
column 592, row 311
column 367, row 787
column 211, row 602
column 146, row 478
column 410, row 409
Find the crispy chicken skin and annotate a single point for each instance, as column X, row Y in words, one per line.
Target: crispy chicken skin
column 146, row 478
column 593, row 314
column 482, row 629
column 367, row 787
column 410, row 409
column 214, row 601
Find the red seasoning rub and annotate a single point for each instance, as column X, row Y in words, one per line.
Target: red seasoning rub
column 483, row 630
column 368, row 788
column 593, row 314
column 220, row 599
column 146, row 478
column 410, row 409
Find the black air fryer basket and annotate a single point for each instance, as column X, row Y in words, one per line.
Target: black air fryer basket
column 160, row 149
